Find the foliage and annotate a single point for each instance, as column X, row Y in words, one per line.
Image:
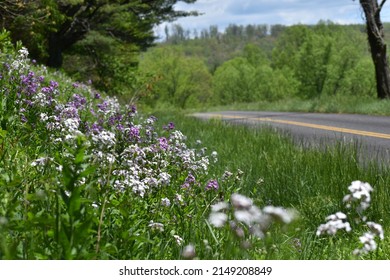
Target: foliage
column 256, row 64
column 103, row 37
column 249, row 78
column 181, row 81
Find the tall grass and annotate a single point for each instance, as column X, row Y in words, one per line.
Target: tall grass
column 326, row 104
column 314, row 181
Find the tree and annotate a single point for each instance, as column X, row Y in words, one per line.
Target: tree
column 378, row 45
column 61, row 24
column 175, row 79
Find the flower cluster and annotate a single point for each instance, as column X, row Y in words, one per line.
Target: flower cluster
column 244, row 214
column 368, row 239
column 115, row 137
column 360, row 193
column 334, row 223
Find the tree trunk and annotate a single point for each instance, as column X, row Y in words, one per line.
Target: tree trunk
column 377, row 45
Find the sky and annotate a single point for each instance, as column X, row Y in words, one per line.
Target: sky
column 287, row 12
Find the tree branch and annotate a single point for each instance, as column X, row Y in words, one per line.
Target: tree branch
column 379, row 9
column 381, row 6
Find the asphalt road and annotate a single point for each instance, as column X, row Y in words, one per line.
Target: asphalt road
column 371, row 134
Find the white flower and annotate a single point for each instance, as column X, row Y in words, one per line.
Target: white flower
column 165, row 202
column 214, row 155
column 189, row 252
column 71, row 124
column 23, row 53
column 280, row 214
column 376, row 229
column 337, row 216
column 156, row 226
column 44, row 117
column 335, row 223
column 369, row 244
column 105, row 138
column 240, row 201
column 179, row 198
column 41, row 161
column 59, row 168
column 243, row 216
column 178, row 239
column 249, row 216
column 226, row 175
column 219, row 206
column 164, row 179
column 359, row 191
column 218, row 219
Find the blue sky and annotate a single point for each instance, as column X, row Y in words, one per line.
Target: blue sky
column 286, row 12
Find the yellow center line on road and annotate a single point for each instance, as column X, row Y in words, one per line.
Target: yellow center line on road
column 304, row 124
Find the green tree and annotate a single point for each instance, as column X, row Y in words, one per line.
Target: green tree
column 250, row 78
column 320, row 57
column 176, row 79
column 61, row 24
column 234, row 82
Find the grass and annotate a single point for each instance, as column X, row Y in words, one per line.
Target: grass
column 335, row 104
column 279, row 172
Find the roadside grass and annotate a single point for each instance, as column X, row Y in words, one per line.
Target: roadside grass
column 278, row 172
column 331, row 104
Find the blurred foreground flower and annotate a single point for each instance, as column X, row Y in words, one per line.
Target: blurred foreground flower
column 243, row 212
column 189, row 252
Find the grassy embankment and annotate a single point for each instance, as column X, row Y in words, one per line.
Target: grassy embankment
column 276, row 171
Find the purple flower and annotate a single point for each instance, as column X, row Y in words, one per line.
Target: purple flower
column 170, row 126
column 163, row 143
column 134, row 133
column 23, row 118
column 28, row 102
column 46, row 90
column 120, row 127
column 131, row 110
column 78, row 101
column 95, row 128
column 53, row 84
column 212, row 185
column 190, row 180
column 103, row 106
